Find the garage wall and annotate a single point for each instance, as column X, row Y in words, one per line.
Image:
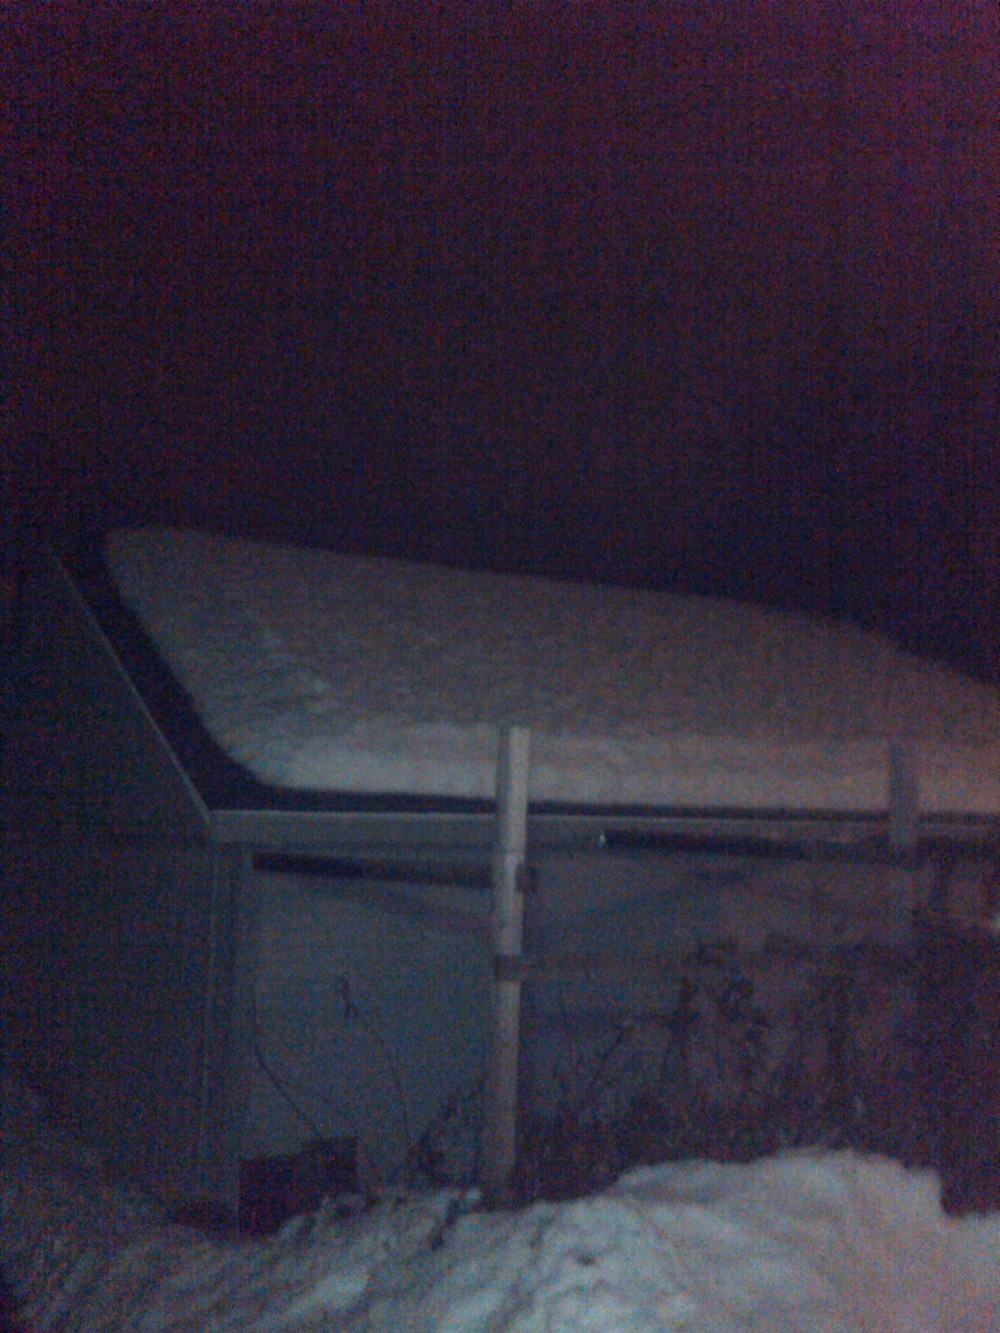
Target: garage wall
column 118, row 919
column 744, row 960
column 371, row 1020
column 371, row 1016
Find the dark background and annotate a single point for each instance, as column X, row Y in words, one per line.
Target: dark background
column 696, row 296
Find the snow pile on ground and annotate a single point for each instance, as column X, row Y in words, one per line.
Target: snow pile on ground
column 805, row 1242
column 340, row 673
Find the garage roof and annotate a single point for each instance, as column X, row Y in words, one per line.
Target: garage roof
column 348, row 675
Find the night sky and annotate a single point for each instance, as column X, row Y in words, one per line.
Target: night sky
column 695, row 296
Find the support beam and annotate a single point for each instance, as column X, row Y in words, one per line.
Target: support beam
column 904, row 799
column 500, row 1101
column 904, row 831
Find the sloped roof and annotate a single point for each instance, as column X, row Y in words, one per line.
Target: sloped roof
column 337, row 673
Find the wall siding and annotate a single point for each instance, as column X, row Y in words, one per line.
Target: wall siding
column 119, row 918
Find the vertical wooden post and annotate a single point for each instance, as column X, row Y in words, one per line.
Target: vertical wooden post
column 904, row 830
column 500, row 1099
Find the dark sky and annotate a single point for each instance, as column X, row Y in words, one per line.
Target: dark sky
column 688, row 295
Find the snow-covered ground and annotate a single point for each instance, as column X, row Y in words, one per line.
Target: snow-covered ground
column 812, row 1242
column 342, row 673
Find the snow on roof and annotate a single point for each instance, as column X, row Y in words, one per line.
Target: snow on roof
column 340, row 673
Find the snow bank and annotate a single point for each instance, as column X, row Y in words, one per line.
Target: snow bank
column 804, row 1242
column 339, row 673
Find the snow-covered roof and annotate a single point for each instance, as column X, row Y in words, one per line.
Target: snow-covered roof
column 343, row 674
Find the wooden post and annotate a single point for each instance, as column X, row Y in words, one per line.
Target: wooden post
column 500, row 1099
column 904, row 830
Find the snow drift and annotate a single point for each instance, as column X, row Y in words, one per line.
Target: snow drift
column 806, row 1241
